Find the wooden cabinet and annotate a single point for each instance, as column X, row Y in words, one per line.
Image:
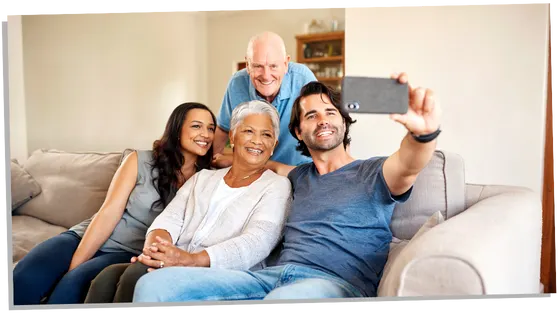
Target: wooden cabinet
column 323, row 53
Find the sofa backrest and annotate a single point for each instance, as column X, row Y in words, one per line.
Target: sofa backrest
column 439, row 187
column 73, row 184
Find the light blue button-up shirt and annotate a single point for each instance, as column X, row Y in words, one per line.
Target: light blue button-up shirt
column 240, row 89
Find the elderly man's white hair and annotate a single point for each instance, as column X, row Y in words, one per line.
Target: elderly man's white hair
column 255, row 107
column 265, row 37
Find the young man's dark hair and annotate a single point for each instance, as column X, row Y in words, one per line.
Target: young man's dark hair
column 313, row 88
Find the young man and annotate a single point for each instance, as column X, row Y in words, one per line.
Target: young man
column 337, row 235
column 272, row 77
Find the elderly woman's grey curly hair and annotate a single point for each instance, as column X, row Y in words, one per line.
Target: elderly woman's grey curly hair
column 255, row 107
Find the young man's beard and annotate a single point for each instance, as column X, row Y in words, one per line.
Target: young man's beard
column 312, row 145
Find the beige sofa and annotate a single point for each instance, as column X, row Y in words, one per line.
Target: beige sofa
column 54, row 190
column 450, row 238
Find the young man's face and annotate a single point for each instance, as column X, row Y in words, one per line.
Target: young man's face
column 321, row 126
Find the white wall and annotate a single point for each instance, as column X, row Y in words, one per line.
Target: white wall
column 105, row 82
column 229, row 34
column 487, row 65
column 18, row 132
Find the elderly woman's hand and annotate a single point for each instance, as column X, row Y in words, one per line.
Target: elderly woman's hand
column 164, row 254
column 148, row 261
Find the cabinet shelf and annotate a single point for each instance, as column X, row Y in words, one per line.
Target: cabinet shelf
column 333, row 79
column 324, row 68
column 322, row 59
column 320, row 37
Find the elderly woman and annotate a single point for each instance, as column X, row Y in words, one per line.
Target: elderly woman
column 227, row 218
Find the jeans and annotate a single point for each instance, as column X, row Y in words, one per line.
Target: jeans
column 116, row 283
column 178, row 284
column 43, row 274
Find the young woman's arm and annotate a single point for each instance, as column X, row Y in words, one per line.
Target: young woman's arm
column 110, row 213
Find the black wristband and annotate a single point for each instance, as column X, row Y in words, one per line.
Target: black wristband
column 426, row 138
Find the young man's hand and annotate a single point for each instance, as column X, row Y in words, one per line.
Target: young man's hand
column 423, row 116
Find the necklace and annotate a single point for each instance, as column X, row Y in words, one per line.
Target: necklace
column 248, row 176
column 245, row 177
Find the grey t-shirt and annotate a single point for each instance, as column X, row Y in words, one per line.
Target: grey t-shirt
column 130, row 232
column 339, row 222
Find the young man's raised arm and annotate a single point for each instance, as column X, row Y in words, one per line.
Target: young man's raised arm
column 417, row 148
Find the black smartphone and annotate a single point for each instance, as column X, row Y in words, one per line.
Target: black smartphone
column 370, row 95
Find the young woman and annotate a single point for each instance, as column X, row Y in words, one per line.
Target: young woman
column 59, row 270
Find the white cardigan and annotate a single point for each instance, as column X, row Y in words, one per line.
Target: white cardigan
column 244, row 234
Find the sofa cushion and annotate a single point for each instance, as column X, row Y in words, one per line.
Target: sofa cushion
column 27, row 232
column 73, row 185
column 388, row 285
column 439, row 187
column 23, row 186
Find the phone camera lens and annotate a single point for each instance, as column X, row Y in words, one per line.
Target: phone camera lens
column 353, row 105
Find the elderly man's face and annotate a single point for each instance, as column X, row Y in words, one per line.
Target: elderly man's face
column 267, row 68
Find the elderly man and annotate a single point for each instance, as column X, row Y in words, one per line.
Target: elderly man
column 272, row 77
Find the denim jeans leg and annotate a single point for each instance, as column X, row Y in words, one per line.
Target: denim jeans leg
column 306, row 283
column 39, row 271
column 180, row 284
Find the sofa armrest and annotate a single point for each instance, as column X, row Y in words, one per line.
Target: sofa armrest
column 492, row 247
column 477, row 192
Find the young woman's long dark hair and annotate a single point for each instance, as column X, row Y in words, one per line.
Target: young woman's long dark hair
column 167, row 156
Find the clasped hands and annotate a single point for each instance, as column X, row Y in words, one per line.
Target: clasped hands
column 164, row 254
